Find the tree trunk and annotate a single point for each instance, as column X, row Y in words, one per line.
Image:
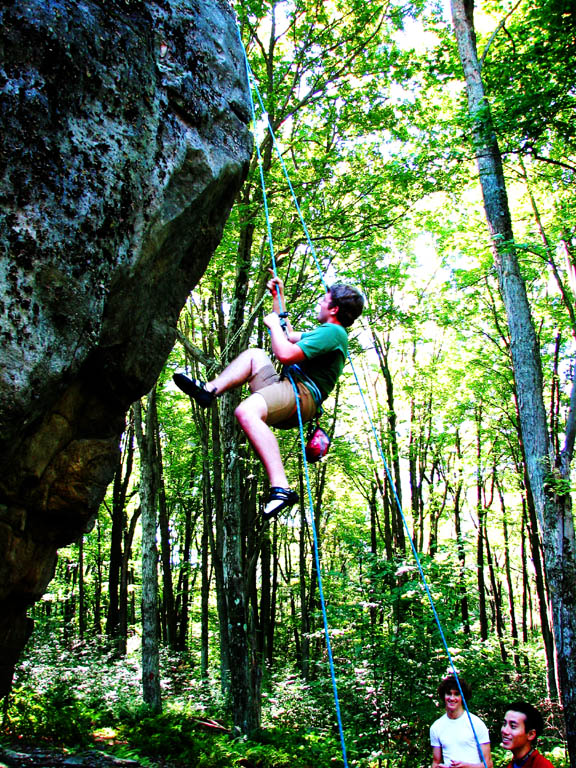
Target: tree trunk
column 81, row 592
column 273, row 598
column 183, row 589
column 481, row 512
column 509, row 584
column 373, row 507
column 265, row 630
column 204, row 591
column 124, row 576
column 244, row 696
column 147, row 491
column 526, row 601
column 391, row 413
column 116, row 617
column 464, row 608
column 217, row 546
column 496, row 596
column 305, row 612
column 387, row 522
column 549, row 475
column 164, row 524
column 98, row 582
column 542, row 594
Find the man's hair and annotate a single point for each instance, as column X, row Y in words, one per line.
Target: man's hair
column 449, row 683
column 534, row 720
column 349, row 301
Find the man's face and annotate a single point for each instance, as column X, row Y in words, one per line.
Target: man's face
column 453, row 700
column 324, row 307
column 514, row 736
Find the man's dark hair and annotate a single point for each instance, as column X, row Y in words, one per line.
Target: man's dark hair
column 449, row 683
column 534, row 720
column 349, row 301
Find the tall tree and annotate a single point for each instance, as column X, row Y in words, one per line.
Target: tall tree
column 115, row 621
column 148, row 493
column 548, row 472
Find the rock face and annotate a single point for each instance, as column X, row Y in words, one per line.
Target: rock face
column 124, row 141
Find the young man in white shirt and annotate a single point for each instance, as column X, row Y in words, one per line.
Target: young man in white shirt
column 453, row 737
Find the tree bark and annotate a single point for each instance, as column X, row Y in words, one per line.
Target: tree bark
column 118, row 514
column 481, row 512
column 273, row 598
column 205, row 591
column 305, row 606
column 464, row 607
column 98, row 582
column 164, row 525
column 150, row 655
column 244, row 697
column 509, row 584
column 124, row 576
column 549, row 475
column 81, row 591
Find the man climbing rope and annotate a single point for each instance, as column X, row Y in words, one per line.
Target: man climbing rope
column 314, row 359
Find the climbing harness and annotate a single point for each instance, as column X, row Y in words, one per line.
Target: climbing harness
column 296, row 371
column 253, row 85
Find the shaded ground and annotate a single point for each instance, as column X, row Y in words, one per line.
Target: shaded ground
column 49, row 757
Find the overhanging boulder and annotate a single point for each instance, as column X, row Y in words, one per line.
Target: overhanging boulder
column 125, row 141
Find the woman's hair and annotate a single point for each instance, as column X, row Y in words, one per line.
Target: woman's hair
column 349, row 301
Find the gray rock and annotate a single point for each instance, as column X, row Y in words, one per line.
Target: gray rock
column 125, row 140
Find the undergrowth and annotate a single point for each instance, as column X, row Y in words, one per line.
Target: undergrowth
column 85, row 696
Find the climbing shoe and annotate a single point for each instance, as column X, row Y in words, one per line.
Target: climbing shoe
column 195, row 389
column 278, row 499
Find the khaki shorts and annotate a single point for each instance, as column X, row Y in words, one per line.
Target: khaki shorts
column 281, row 400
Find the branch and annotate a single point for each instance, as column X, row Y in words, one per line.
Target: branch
column 536, row 156
column 498, row 28
column 194, row 352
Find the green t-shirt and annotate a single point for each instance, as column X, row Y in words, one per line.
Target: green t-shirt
column 326, row 349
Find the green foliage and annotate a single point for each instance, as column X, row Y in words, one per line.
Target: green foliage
column 377, row 147
column 387, row 695
column 54, row 715
column 83, row 695
column 529, row 72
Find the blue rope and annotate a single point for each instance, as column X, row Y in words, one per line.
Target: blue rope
column 302, row 441
column 287, row 177
column 418, row 562
column 252, row 82
column 319, row 573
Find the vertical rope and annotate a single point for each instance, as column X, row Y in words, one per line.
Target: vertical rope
column 319, row 574
column 418, row 562
column 252, row 83
column 302, row 441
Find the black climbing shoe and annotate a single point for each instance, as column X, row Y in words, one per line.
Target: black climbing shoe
column 278, row 499
column 195, row 389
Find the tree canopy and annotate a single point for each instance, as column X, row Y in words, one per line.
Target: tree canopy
column 369, row 109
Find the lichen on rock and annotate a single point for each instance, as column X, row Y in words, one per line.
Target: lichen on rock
column 125, row 141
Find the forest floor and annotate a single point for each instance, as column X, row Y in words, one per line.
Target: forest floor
column 30, row 756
